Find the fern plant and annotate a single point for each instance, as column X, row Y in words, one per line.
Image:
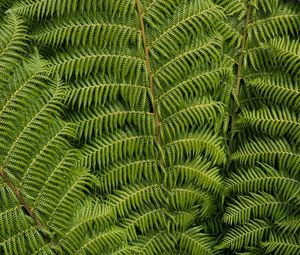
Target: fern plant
column 263, row 177
column 45, row 203
column 169, row 126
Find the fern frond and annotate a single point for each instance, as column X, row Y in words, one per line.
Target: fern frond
column 268, row 151
column 96, row 91
column 116, row 146
column 199, row 172
column 283, row 21
column 193, row 144
column 13, row 43
column 135, row 197
column 278, row 88
column 194, row 241
column 249, row 234
column 126, row 173
column 262, row 205
column 232, row 7
column 88, row 30
column 41, row 9
column 187, row 198
column 194, row 113
column 90, row 218
column 200, row 52
column 285, row 244
column 144, row 222
column 262, row 178
column 201, row 82
column 85, row 61
column 192, row 18
column 157, row 243
column 101, row 243
column 289, row 225
column 274, row 121
column 94, row 121
column 287, row 53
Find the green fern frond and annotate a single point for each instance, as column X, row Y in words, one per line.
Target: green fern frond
column 192, row 17
column 194, row 113
column 199, row 172
column 41, row 9
column 285, row 244
column 283, row 21
column 249, row 234
column 135, row 197
column 274, row 121
column 232, row 7
column 108, row 149
column 126, row 173
column 200, row 83
column 187, row 198
column 262, row 205
column 194, row 242
column 103, row 242
column 157, row 243
column 88, row 30
column 200, row 52
column 289, row 225
column 144, row 222
column 268, row 151
column 85, row 61
column 287, row 53
column 13, row 44
column 96, row 91
column 94, row 121
column 277, row 87
column 262, row 178
column 193, row 144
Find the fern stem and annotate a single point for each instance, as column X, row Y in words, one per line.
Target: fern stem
column 235, row 103
column 29, row 210
column 150, row 72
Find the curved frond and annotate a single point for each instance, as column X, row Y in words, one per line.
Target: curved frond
column 262, row 178
column 287, row 53
column 194, row 144
column 116, row 146
column 268, row 151
column 285, row 244
column 262, row 205
column 194, row 242
column 275, row 121
column 249, row 234
column 13, row 43
column 135, row 197
column 199, row 172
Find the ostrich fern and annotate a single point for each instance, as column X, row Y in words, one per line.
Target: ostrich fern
column 150, row 127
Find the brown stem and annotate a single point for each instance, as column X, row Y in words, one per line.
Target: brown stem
column 29, row 210
column 235, row 105
column 150, row 73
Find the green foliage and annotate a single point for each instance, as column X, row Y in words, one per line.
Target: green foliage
column 45, row 207
column 133, row 127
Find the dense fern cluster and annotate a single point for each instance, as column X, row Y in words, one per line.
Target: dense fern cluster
column 263, row 182
column 149, row 127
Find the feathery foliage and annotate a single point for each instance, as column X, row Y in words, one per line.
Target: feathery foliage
column 150, row 127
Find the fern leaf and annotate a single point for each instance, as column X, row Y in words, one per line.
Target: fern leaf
column 282, row 245
column 275, row 121
column 268, row 150
column 261, row 205
column 262, row 178
column 109, row 149
column 194, row 242
column 193, row 144
column 249, row 234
